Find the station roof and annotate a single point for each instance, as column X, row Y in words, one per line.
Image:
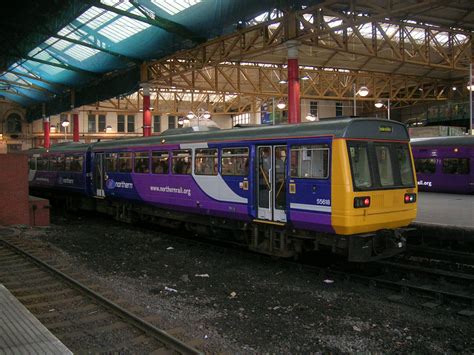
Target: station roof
column 95, row 48
column 54, row 46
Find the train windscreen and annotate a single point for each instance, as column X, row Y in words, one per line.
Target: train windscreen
column 380, row 165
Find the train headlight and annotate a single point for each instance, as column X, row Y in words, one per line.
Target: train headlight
column 410, row 198
column 361, row 202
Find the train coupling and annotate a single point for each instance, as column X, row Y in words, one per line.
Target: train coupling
column 379, row 245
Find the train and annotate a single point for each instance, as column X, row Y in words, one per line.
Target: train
column 346, row 185
column 444, row 164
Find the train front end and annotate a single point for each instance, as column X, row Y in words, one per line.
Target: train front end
column 374, row 190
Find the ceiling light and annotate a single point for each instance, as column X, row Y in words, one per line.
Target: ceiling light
column 363, row 91
column 281, row 105
column 378, row 104
column 65, row 123
column 206, row 115
column 282, row 81
column 470, row 87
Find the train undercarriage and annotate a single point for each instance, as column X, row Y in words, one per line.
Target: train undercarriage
column 274, row 239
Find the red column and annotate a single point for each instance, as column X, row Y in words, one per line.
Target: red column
column 46, row 129
column 294, row 105
column 75, row 122
column 146, row 112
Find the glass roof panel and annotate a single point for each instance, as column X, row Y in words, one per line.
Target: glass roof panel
column 123, row 28
column 80, row 53
column 95, row 17
column 174, row 6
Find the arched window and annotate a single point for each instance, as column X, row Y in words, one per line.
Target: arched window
column 13, row 123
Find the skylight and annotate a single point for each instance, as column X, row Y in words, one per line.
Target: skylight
column 174, row 6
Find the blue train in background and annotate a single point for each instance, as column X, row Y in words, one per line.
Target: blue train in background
column 346, row 185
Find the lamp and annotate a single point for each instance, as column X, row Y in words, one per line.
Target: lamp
column 202, row 114
column 108, row 129
column 311, row 117
column 52, row 129
column 65, row 124
column 281, row 104
column 470, row 87
column 379, row 104
column 363, row 91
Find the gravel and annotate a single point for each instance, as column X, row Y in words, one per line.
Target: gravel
column 239, row 302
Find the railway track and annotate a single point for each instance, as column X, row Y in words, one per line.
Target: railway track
column 444, row 254
column 82, row 318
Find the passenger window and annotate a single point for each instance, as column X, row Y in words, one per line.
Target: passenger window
column 111, row 160
column 42, row 164
column 360, row 165
column 404, row 161
column 125, row 162
column 32, row 163
column 159, row 162
column 53, row 163
column 60, row 163
column 384, row 162
column 77, row 163
column 310, row 161
column 425, row 166
column 458, row 166
column 142, row 162
column 205, row 162
column 235, row 161
column 181, row 163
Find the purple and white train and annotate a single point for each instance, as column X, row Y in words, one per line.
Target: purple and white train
column 444, row 164
column 347, row 185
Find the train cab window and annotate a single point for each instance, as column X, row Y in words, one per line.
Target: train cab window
column 205, row 162
column 359, row 156
column 125, row 162
column 160, row 162
column 142, row 162
column 458, row 166
column 310, row 161
column 235, row 161
column 425, row 166
column 181, row 162
column 404, row 161
column 384, row 163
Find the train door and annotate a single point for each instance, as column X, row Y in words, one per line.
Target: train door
column 271, row 182
column 99, row 174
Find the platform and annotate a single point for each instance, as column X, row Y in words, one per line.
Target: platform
column 445, row 211
column 21, row 332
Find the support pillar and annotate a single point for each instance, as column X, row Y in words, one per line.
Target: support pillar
column 46, row 129
column 75, row 127
column 75, row 118
column 294, row 104
column 146, row 111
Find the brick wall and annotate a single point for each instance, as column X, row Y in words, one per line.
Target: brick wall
column 14, row 207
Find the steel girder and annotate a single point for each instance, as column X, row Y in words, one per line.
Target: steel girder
column 424, row 60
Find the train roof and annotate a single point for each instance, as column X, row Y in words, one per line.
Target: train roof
column 442, row 141
column 72, row 147
column 371, row 128
column 357, row 128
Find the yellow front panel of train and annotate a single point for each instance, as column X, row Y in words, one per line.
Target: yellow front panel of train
column 387, row 207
